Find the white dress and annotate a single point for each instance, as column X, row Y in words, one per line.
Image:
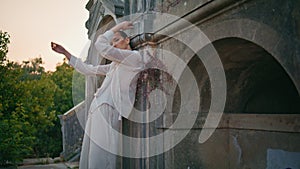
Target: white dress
column 115, row 97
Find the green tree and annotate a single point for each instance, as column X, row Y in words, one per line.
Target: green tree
column 31, row 100
column 26, row 112
column 26, row 107
column 38, row 101
column 4, row 41
column 15, row 132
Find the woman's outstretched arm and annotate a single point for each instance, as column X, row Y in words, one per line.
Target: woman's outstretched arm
column 78, row 64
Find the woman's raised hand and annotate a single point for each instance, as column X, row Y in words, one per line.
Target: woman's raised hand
column 126, row 25
column 59, row 49
column 122, row 26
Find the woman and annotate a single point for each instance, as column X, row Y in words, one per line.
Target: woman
column 115, row 97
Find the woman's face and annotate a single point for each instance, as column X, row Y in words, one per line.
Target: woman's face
column 119, row 42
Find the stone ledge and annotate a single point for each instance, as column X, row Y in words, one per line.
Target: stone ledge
column 72, row 165
column 32, row 161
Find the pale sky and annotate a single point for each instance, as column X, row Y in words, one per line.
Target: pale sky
column 33, row 24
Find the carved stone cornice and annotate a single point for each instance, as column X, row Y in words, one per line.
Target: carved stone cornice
column 89, row 5
column 194, row 17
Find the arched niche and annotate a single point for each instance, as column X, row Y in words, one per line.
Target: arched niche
column 105, row 24
column 256, row 81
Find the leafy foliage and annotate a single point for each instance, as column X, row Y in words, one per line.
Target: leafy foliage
column 30, row 102
column 4, row 41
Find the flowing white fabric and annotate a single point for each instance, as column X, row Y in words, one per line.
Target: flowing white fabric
column 97, row 132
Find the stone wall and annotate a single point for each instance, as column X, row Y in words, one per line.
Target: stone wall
column 257, row 42
column 72, row 131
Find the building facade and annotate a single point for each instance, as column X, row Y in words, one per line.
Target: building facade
column 251, row 45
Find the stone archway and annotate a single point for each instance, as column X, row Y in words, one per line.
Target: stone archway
column 261, row 35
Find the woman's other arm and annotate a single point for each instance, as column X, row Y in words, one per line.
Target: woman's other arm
column 109, row 52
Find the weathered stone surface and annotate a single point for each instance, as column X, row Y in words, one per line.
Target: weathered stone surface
column 258, row 44
column 257, row 52
column 72, row 131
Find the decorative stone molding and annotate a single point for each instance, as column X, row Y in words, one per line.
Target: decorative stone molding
column 142, row 40
column 96, row 11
